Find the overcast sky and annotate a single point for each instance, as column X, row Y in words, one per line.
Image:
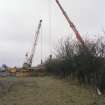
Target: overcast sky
column 19, row 19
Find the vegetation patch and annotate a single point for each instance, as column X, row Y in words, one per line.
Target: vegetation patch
column 49, row 91
column 86, row 64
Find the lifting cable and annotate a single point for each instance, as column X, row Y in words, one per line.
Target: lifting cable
column 50, row 26
column 41, row 47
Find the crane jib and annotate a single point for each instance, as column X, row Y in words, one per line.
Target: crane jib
column 72, row 26
column 29, row 60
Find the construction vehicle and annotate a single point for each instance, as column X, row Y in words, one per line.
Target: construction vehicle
column 72, row 26
column 29, row 58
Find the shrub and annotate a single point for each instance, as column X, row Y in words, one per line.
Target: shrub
column 87, row 64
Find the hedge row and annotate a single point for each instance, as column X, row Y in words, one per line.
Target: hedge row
column 85, row 64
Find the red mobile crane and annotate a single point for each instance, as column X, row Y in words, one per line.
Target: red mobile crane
column 29, row 59
column 78, row 36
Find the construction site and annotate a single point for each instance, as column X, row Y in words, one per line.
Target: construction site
column 71, row 74
column 27, row 68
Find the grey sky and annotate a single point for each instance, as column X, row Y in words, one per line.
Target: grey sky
column 19, row 19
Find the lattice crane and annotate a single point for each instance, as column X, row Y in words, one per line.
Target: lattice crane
column 29, row 59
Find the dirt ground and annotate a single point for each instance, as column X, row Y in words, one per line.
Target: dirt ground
column 46, row 91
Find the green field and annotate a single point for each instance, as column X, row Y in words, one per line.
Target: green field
column 46, row 91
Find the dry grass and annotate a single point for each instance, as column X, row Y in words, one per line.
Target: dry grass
column 46, row 91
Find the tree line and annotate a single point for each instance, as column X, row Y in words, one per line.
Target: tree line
column 73, row 60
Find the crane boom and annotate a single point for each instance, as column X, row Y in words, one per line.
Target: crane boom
column 29, row 60
column 78, row 36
